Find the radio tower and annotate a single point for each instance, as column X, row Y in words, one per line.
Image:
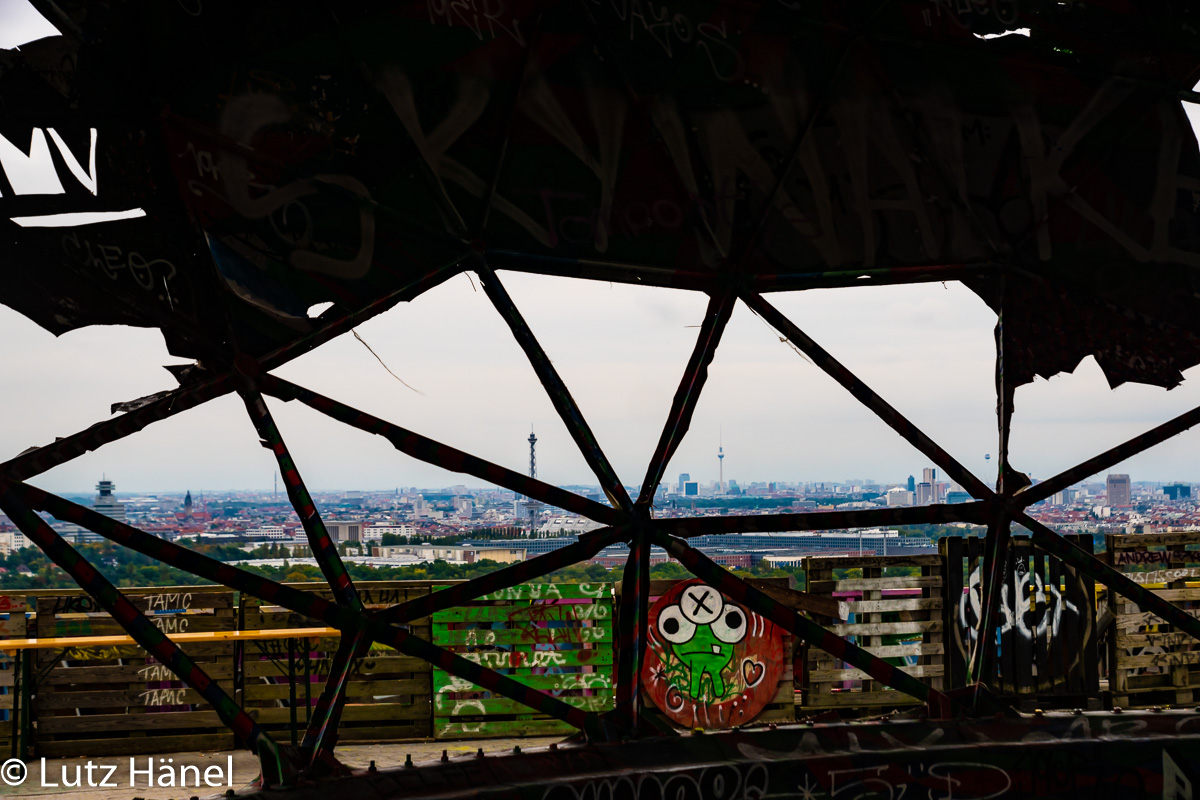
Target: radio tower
column 532, row 505
column 721, row 463
column 532, row 454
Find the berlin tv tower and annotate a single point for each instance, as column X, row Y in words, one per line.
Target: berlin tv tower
column 721, row 463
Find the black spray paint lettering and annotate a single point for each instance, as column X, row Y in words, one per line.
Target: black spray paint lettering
column 673, row 30
column 150, row 274
column 484, row 18
column 733, row 782
column 241, row 119
column 469, row 104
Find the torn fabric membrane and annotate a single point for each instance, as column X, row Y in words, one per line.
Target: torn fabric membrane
column 284, row 155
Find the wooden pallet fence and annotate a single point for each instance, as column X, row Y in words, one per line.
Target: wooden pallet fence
column 117, row 700
column 1150, row 662
column 14, row 678
column 898, row 618
column 388, row 694
column 556, row 637
column 1046, row 629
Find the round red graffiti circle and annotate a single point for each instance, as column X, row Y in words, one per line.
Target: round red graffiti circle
column 711, row 663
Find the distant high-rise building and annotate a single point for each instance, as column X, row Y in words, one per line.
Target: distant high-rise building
column 924, row 494
column 912, row 484
column 106, row 503
column 691, row 489
column 1119, row 490
column 1177, row 491
column 929, row 475
column 684, row 477
column 1063, row 498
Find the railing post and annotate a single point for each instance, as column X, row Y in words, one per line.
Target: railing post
column 14, row 716
column 631, row 637
column 291, row 645
column 27, row 694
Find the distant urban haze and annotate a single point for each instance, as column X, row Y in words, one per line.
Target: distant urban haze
column 621, row 350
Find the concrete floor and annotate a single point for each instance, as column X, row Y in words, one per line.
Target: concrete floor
column 42, row 777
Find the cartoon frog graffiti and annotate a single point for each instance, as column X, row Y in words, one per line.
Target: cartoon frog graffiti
column 711, row 663
column 702, row 630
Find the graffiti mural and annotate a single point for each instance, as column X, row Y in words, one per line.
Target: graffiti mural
column 1045, row 625
column 711, row 663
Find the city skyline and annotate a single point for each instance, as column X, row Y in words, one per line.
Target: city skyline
column 621, row 350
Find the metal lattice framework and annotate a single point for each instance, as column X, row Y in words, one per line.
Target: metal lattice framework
column 625, row 520
column 427, row 145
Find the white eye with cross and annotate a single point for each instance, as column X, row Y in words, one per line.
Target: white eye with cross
column 674, row 626
column 730, row 626
column 701, row 604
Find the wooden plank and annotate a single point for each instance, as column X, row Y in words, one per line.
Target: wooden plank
column 126, row 674
column 859, row 699
column 869, row 562
column 1140, row 541
column 13, row 604
column 897, row 651
column 1159, row 659
column 552, row 591
column 501, row 729
column 1147, row 639
column 281, row 691
column 153, row 604
column 886, row 628
column 858, row 584
column 174, row 624
column 13, row 628
column 370, row 665
column 402, row 730
column 117, row 652
column 352, row 712
column 1144, row 619
column 523, row 659
column 953, row 555
column 828, row 676
column 115, row 723
column 137, row 697
column 895, row 604
column 804, row 601
column 445, row 682
column 446, row 707
column 1176, row 595
column 482, row 637
column 202, row 742
column 541, row 612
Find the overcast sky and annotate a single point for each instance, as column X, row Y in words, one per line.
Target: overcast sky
column 621, row 350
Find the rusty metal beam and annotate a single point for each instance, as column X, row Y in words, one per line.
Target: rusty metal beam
column 444, row 456
column 868, row 397
column 689, row 527
column 720, row 307
column 556, row 390
column 323, row 547
column 588, row 545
